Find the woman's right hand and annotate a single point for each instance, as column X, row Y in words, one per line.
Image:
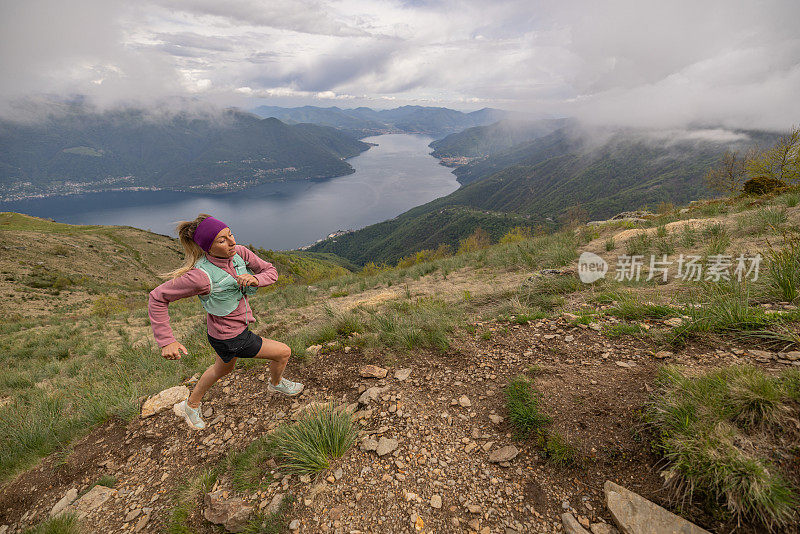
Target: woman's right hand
column 173, row 351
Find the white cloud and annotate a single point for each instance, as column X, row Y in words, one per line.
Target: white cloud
column 634, row 62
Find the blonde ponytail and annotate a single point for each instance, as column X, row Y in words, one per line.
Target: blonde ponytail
column 193, row 252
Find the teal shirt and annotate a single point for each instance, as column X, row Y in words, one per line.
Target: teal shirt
column 225, row 293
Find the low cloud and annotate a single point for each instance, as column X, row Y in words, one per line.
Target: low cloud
column 715, row 64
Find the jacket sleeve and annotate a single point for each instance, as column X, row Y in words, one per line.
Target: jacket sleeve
column 194, row 282
column 264, row 271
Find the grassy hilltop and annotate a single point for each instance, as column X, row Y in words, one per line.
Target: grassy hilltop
column 692, row 382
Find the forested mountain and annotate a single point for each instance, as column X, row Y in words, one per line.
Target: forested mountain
column 603, row 171
column 133, row 147
column 419, row 229
column 481, row 141
column 365, row 121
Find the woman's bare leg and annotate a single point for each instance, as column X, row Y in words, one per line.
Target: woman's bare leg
column 216, row 371
column 279, row 354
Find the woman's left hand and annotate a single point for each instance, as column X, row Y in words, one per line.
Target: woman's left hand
column 245, row 280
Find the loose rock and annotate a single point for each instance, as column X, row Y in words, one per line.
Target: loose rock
column 636, row 515
column 163, row 400
column 232, row 513
column 373, row 371
column 386, row 445
column 402, row 374
column 504, row 454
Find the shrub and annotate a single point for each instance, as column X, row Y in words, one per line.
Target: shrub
column 323, row 434
column 425, row 255
column 371, row 269
column 762, row 185
column 106, row 305
column 479, row 239
column 516, row 234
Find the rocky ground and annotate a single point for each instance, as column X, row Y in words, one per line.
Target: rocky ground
column 435, row 452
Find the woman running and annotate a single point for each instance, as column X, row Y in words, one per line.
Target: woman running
column 222, row 274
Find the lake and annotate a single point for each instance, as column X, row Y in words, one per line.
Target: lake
column 390, row 178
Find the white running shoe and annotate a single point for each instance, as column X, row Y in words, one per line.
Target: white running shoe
column 192, row 416
column 287, row 387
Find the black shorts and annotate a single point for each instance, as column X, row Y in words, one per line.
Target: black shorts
column 244, row 345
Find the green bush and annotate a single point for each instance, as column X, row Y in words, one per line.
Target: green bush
column 762, row 185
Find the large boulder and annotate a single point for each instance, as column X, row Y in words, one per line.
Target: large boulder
column 636, row 515
column 163, row 400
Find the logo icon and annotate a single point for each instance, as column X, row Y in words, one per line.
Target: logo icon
column 591, row 267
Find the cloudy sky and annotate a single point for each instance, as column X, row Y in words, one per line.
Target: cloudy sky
column 666, row 64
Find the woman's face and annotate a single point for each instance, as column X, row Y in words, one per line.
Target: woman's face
column 222, row 246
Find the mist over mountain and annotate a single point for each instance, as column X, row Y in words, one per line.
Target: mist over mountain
column 433, row 121
column 481, row 141
column 78, row 147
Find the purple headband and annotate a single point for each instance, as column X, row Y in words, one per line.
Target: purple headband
column 206, row 231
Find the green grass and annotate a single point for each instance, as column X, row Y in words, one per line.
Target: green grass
column 309, row 445
column 716, row 238
column 560, row 450
column 762, row 221
column 522, row 403
column 274, row 523
column 187, row 498
column 783, row 269
column 629, row 306
column 622, row 329
column 79, row 385
column 404, row 324
column 725, row 307
column 247, row 467
column 62, row 524
column 688, row 236
column 108, row 481
column 639, row 245
column 718, row 434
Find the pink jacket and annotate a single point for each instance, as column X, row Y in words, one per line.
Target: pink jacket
column 195, row 282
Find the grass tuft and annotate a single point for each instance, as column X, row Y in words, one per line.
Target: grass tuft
column 62, row 524
column 715, row 432
column 783, row 269
column 560, row 450
column 522, row 402
column 323, row 434
column 186, row 499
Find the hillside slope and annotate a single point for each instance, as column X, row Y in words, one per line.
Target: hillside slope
column 465, row 327
column 51, row 268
